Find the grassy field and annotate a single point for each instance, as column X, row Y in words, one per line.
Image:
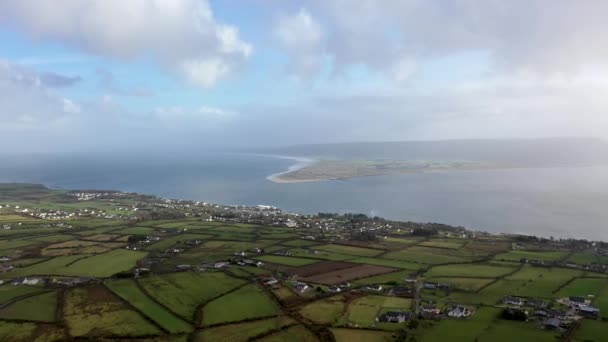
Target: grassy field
column 8, row 292
column 427, row 255
column 443, row 243
column 461, row 330
column 349, row 250
column 472, row 270
column 357, row 335
column 96, row 311
column 297, row 333
column 324, row 311
column 230, row 305
column 583, row 287
column 508, row 331
column 245, row 303
column 465, row 284
column 40, row 307
column 531, row 255
column 299, row 243
column 592, row 331
column 363, row 311
column 19, row 332
column 128, row 291
column 285, row 260
column 243, row 331
column 601, row 301
column 171, row 241
column 183, row 292
column 104, row 265
column 397, row 277
column 389, row 263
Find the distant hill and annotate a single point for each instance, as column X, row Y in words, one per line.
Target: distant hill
column 517, row 152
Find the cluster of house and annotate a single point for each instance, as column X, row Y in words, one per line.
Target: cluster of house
column 89, row 195
column 571, row 309
column 339, row 288
column 54, row 281
column 141, row 244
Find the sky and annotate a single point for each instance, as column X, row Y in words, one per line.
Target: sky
column 110, row 75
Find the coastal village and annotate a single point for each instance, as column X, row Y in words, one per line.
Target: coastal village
column 331, row 273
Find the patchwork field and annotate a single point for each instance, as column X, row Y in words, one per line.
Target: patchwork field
column 184, row 292
column 88, row 286
column 97, row 311
column 341, row 275
column 245, row 303
column 128, row 290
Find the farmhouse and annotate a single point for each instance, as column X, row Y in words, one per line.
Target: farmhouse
column 458, row 311
column 334, row 289
column 536, row 303
column 221, row 264
column 551, row 323
column 578, row 301
column 270, row 281
column 375, row 288
column 430, row 309
column 402, row 291
column 301, row 287
column 589, row 311
column 510, row 300
column 394, row 317
column 556, row 314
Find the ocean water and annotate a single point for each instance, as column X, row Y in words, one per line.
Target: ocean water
column 560, row 202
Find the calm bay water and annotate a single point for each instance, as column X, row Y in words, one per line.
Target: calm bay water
column 564, row 202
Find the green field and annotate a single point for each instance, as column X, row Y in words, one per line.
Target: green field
column 245, row 303
column 461, row 330
column 96, row 311
column 243, row 331
column 358, row 335
column 324, row 311
column 8, row 292
column 363, row 311
column 349, row 250
column 166, row 304
column 508, row 331
column 531, row 255
column 296, row 333
column 583, row 287
column 127, row 290
column 40, row 307
column 471, row 270
column 465, row 284
column 106, row 264
column 592, row 331
column 285, row 260
column 428, row 255
column 183, row 292
column 389, row 263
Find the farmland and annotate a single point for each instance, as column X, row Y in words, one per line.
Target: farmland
column 194, row 278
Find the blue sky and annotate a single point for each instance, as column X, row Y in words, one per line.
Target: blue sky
column 265, row 73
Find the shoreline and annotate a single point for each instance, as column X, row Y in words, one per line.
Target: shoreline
column 301, row 162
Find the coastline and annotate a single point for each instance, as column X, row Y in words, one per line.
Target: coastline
column 300, row 163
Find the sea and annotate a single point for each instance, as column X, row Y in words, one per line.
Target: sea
column 560, row 201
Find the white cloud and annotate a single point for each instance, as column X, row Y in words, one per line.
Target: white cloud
column 557, row 37
column 204, row 72
column 302, row 37
column 177, row 34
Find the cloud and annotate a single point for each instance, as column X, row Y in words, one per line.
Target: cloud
column 302, row 38
column 560, row 37
column 54, row 80
column 182, row 36
column 28, row 100
column 109, row 85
